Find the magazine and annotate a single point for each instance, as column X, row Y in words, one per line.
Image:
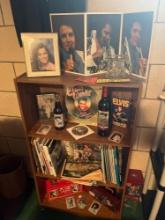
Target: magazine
column 83, row 162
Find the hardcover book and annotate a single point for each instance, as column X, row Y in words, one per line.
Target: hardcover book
column 83, row 162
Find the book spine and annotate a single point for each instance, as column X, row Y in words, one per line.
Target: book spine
column 48, row 161
column 103, row 164
column 46, row 171
column 38, row 152
column 116, row 163
column 107, row 162
column 112, row 166
column 38, row 167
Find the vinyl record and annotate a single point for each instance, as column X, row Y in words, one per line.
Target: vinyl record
column 81, row 101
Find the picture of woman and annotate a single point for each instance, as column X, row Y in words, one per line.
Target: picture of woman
column 42, row 59
column 41, row 54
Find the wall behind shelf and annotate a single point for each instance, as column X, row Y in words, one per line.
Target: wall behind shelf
column 12, row 138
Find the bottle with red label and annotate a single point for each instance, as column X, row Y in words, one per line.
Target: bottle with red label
column 103, row 120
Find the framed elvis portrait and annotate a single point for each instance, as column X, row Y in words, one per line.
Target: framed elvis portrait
column 71, row 29
column 41, row 54
column 136, row 41
column 96, row 43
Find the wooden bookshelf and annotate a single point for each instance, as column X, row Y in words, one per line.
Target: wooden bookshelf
column 27, row 89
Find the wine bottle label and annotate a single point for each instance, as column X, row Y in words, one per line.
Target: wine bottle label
column 103, row 119
column 59, row 120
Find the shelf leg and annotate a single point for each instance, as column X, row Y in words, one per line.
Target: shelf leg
column 158, row 199
column 147, row 176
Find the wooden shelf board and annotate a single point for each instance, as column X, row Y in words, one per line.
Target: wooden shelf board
column 71, row 79
column 93, row 138
column 60, row 204
column 109, row 184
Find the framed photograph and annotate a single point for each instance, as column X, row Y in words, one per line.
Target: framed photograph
column 70, row 29
column 41, row 54
column 136, row 41
column 102, row 41
column 46, row 103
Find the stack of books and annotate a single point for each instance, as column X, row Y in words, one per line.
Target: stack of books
column 49, row 155
column 113, row 158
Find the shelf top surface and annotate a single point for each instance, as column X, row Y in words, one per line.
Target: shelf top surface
column 103, row 213
column 71, row 79
column 92, row 138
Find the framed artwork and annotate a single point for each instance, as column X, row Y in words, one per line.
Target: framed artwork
column 102, row 41
column 70, row 29
column 41, row 54
column 96, row 43
column 136, row 41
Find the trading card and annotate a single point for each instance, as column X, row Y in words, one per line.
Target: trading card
column 70, row 202
column 81, row 202
column 116, row 137
column 94, row 207
column 44, row 129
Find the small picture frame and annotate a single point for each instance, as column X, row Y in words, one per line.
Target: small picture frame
column 116, row 137
column 94, row 207
column 70, row 202
column 45, row 104
column 41, row 54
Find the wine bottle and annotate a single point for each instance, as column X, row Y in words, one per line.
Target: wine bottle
column 103, row 122
column 59, row 122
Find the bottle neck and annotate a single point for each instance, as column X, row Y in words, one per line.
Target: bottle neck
column 57, row 98
column 105, row 92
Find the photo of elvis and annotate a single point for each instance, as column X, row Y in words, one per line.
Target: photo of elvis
column 70, row 30
column 81, row 101
column 137, row 28
column 103, row 31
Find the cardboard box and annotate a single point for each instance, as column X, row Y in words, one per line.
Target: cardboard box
column 61, row 188
column 134, row 184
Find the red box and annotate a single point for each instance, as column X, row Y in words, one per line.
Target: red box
column 134, row 184
column 61, row 188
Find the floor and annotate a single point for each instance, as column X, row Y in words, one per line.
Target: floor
column 26, row 208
